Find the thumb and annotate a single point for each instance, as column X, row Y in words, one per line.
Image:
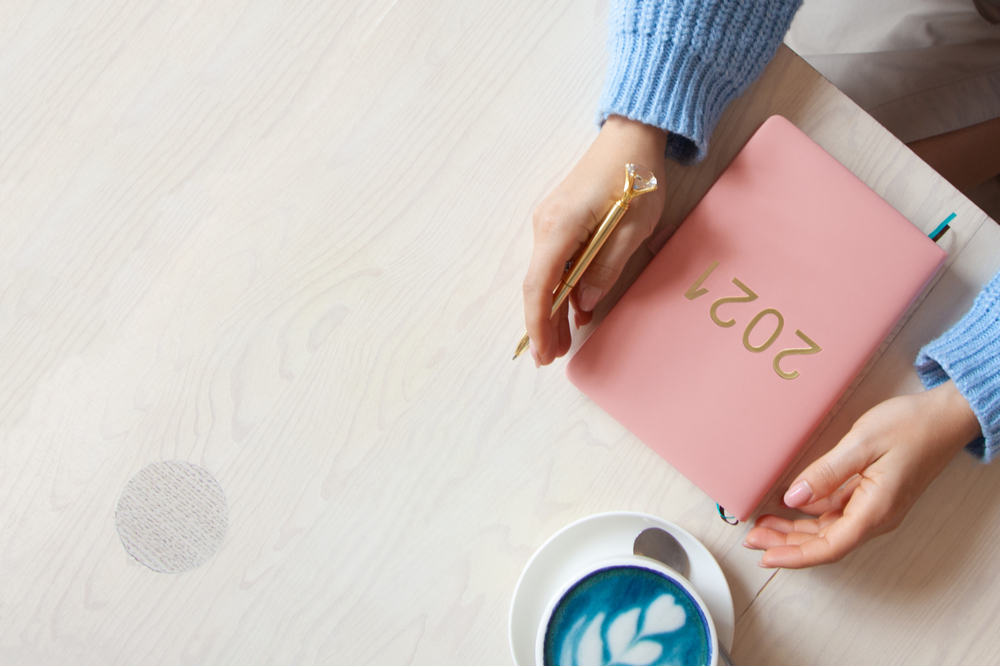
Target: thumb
column 829, row 472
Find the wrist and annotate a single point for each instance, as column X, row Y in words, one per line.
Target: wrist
column 639, row 134
column 952, row 411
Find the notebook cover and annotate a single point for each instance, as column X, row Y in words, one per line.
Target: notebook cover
column 814, row 258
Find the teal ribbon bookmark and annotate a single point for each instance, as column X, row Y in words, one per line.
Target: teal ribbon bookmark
column 942, row 228
column 731, row 520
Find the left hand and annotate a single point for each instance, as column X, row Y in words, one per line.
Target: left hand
column 865, row 485
column 564, row 221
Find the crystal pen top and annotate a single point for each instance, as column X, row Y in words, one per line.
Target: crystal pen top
column 638, row 181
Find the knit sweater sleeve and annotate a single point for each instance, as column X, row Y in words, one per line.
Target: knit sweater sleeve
column 969, row 355
column 676, row 64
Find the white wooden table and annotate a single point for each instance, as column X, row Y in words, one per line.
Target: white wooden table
column 285, row 243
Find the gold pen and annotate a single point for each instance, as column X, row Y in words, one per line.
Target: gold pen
column 638, row 181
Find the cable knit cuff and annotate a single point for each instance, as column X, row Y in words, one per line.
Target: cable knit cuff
column 676, row 64
column 969, row 355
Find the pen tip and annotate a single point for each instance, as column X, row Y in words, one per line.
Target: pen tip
column 522, row 346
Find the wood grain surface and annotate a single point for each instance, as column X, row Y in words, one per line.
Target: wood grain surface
column 285, row 243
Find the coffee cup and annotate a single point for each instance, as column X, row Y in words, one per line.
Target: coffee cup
column 627, row 610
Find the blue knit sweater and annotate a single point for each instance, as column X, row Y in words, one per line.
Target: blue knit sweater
column 676, row 64
column 969, row 354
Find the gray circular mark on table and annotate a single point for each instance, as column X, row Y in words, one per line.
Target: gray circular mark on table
column 172, row 516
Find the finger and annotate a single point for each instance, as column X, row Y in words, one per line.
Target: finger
column 770, row 531
column 835, row 501
column 607, row 265
column 827, row 473
column 827, row 546
column 774, row 523
column 554, row 246
column 767, row 538
column 580, row 317
column 563, row 337
column 814, row 525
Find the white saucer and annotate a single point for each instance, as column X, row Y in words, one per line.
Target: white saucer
column 596, row 538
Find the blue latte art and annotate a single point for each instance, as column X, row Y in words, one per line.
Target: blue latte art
column 627, row 615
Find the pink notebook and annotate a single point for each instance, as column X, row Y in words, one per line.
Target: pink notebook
column 745, row 329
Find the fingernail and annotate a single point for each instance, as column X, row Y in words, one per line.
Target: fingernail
column 799, row 494
column 534, row 354
column 747, row 545
column 576, row 320
column 761, row 564
column 589, row 296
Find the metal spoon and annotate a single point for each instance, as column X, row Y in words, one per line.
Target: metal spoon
column 660, row 545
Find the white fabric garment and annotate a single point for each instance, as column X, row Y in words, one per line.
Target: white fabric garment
column 920, row 67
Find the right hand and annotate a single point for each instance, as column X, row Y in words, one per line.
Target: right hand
column 865, row 485
column 564, row 221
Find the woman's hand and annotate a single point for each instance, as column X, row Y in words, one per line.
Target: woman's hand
column 865, row 485
column 566, row 218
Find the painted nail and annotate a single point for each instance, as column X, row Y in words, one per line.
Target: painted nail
column 589, row 296
column 576, row 320
column 799, row 494
column 534, row 354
